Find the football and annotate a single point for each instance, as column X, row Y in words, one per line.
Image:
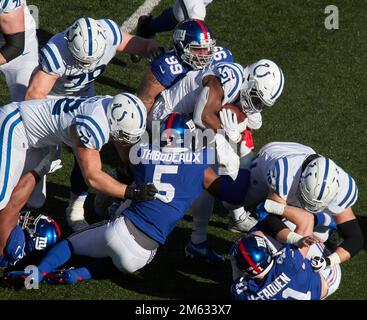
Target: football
column 240, row 115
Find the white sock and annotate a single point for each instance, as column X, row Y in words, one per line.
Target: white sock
column 201, row 210
column 234, row 211
column 77, row 201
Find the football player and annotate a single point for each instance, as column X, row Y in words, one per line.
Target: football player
column 180, row 171
column 262, row 272
column 194, row 49
column 69, row 64
column 204, row 93
column 290, row 176
column 84, row 124
column 169, row 18
column 19, row 46
column 34, row 232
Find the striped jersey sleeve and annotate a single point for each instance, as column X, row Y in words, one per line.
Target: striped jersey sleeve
column 113, row 31
column 92, row 129
column 347, row 195
column 8, row 6
column 51, row 60
column 280, row 178
column 231, row 77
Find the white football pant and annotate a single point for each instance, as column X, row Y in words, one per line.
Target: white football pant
column 112, row 239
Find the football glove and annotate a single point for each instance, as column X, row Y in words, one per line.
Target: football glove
column 145, row 192
column 229, row 124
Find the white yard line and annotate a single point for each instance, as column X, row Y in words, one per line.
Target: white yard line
column 146, row 8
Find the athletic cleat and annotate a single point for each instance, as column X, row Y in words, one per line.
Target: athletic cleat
column 63, row 276
column 244, row 224
column 204, row 252
column 14, row 280
column 75, row 218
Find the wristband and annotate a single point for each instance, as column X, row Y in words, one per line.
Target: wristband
column 334, row 259
column 274, row 207
column 293, row 238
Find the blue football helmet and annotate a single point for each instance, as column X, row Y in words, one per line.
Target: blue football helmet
column 194, row 43
column 253, row 256
column 177, row 131
column 40, row 231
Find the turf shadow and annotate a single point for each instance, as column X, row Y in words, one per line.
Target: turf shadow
column 171, row 275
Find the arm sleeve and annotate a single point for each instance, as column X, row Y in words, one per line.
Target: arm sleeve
column 222, row 54
column 8, row 6
column 234, row 192
column 113, row 31
column 167, row 69
column 347, row 195
column 231, row 77
column 92, row 134
column 279, row 178
column 14, row 45
column 51, row 61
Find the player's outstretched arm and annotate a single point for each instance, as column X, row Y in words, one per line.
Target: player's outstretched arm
column 41, row 85
column 137, row 45
column 19, row 197
column 21, row 193
column 209, row 103
column 91, row 166
column 13, row 29
column 149, row 88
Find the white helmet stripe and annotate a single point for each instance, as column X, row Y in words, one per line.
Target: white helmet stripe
column 324, row 179
column 275, row 96
column 137, row 106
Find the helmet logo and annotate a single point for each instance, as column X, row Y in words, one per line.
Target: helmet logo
column 260, row 242
column 115, row 106
column 191, row 125
column 262, row 75
column 179, row 35
column 41, row 243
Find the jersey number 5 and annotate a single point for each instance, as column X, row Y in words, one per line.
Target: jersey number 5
column 161, row 186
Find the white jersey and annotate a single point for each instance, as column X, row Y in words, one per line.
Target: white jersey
column 56, row 59
column 190, row 9
column 7, row 6
column 183, row 95
column 47, row 121
column 279, row 166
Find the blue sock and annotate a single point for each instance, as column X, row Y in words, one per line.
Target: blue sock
column 165, row 22
column 323, row 219
column 58, row 255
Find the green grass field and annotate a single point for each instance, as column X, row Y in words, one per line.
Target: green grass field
column 323, row 105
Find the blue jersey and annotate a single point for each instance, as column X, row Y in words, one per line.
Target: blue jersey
column 179, row 178
column 168, row 69
column 290, row 278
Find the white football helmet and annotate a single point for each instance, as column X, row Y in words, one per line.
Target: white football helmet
column 318, row 185
column 127, row 118
column 262, row 85
column 87, row 43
